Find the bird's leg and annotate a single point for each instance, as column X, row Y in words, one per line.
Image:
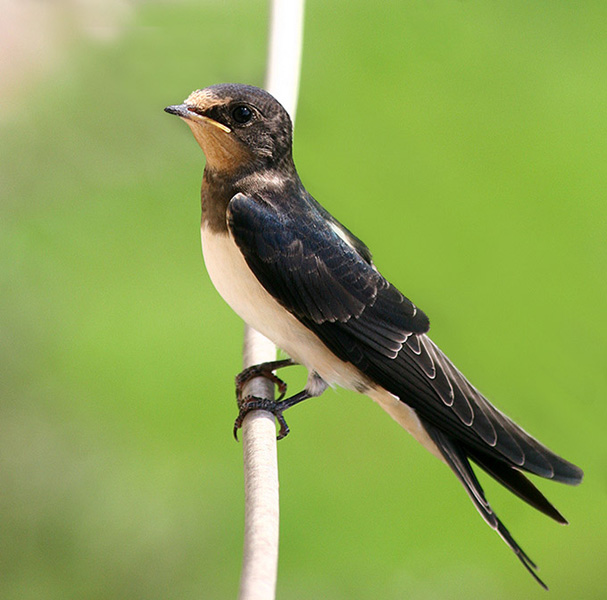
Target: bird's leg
column 314, row 387
column 263, row 370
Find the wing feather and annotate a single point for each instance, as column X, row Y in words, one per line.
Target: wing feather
column 334, row 289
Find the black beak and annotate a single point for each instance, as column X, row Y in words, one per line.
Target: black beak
column 181, row 110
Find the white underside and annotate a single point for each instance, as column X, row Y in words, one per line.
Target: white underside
column 246, row 296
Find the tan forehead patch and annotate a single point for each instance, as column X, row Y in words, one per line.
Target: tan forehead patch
column 205, row 99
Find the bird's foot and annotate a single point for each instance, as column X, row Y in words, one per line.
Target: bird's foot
column 249, row 403
column 263, row 370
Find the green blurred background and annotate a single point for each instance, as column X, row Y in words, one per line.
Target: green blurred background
column 465, row 142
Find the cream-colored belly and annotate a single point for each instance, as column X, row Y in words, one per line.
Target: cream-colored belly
column 247, row 297
column 242, row 291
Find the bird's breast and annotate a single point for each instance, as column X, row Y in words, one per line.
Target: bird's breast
column 239, row 287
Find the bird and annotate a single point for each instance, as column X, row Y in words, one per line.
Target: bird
column 300, row 277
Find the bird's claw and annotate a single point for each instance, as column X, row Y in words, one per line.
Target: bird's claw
column 262, row 370
column 250, row 403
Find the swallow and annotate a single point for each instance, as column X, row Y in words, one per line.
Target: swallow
column 297, row 275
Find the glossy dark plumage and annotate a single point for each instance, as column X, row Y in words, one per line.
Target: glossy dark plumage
column 363, row 319
column 335, row 291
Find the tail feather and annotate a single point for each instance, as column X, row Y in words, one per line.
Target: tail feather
column 457, row 458
column 517, row 483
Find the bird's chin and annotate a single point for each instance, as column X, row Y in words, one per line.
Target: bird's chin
column 200, row 132
column 223, row 151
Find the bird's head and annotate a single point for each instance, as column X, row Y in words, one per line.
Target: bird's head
column 238, row 127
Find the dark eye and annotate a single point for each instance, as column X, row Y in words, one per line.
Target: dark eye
column 242, row 114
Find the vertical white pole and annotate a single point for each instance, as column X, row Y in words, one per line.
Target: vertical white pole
column 284, row 52
column 260, row 555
